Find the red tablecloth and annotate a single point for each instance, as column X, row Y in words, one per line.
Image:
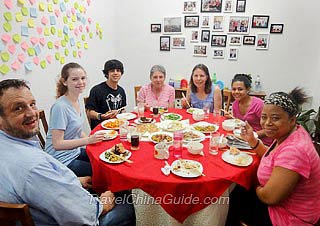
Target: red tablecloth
column 144, row 173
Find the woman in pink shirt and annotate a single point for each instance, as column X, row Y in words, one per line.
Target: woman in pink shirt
column 157, row 93
column 289, row 171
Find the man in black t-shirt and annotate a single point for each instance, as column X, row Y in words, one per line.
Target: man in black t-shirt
column 106, row 97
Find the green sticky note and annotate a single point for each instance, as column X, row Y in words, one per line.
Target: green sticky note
column 62, row 60
column 66, row 0
column 7, row 27
column 73, row 18
column 66, row 38
column 79, row 45
column 90, row 35
column 30, row 23
column 42, row 6
column 31, row 51
column 57, row 56
column 4, row 69
column 5, row 56
column 50, row 45
column 43, row 64
column 50, row 8
column 63, row 43
column 25, row 11
column 7, row 16
column 18, row 17
column 16, row 38
column 66, row 52
column 83, row 37
column 59, row 33
column 85, row 45
column 21, row 2
column 46, row 31
column 100, row 35
column 55, row 1
column 74, row 53
column 53, row 30
column 65, row 19
column 76, row 5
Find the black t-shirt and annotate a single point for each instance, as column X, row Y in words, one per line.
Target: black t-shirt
column 103, row 98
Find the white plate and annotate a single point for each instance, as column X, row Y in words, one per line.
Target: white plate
column 201, row 138
column 204, row 125
column 103, row 124
column 126, row 116
column 234, row 122
column 188, row 173
column 108, row 134
column 237, row 133
column 241, row 159
column 138, row 121
column 191, row 110
column 174, row 116
column 171, row 126
column 161, row 133
column 103, row 157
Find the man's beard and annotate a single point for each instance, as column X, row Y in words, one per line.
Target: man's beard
column 19, row 133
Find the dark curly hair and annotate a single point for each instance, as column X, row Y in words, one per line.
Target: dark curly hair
column 208, row 85
column 245, row 78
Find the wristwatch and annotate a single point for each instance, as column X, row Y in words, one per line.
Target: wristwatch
column 99, row 116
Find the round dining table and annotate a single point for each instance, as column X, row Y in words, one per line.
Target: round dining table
column 180, row 197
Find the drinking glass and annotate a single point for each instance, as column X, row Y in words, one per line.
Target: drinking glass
column 216, row 117
column 140, row 109
column 123, row 131
column 206, row 109
column 177, row 144
column 155, row 111
column 135, row 140
column 214, row 143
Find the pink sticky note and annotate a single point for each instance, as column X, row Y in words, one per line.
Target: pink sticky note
column 12, row 49
column 49, row 59
column 44, row 20
column 87, row 28
column 57, row 44
column 15, row 65
column 5, row 38
column 80, row 28
column 24, row 46
column 73, row 11
column 39, row 30
column 89, row 2
column 79, row 54
column 21, row 57
column 89, row 20
column 76, row 31
column 32, row 1
column 34, row 40
column 42, row 41
column 8, row 4
column 36, row 60
column 57, row 12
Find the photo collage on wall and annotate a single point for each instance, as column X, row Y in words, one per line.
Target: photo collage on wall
column 216, row 29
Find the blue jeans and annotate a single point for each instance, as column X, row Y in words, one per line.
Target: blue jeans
column 81, row 165
column 120, row 215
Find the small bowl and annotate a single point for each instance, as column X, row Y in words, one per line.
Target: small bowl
column 198, row 115
column 228, row 125
column 195, row 147
column 223, row 143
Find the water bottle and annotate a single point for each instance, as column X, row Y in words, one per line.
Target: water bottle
column 214, row 78
column 257, row 84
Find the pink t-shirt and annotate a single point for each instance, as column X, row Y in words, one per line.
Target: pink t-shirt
column 253, row 115
column 167, row 96
column 298, row 154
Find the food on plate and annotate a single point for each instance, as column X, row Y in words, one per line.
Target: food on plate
column 187, row 167
column 116, row 153
column 143, row 128
column 145, row 120
column 242, row 160
column 171, row 116
column 161, row 138
column 205, row 128
column 115, row 123
column 111, row 134
column 234, row 151
column 188, row 136
column 163, row 110
column 174, row 126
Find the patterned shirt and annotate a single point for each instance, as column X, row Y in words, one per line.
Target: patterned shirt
column 167, row 96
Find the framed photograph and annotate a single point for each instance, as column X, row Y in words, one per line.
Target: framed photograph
column 228, row 6
column 164, row 43
column 218, row 53
column 155, row 28
column 239, row 24
column 233, row 54
column 211, row 6
column 200, row 50
column 241, row 6
column 194, row 36
column 178, row 42
column 172, row 25
column 205, row 21
column 260, row 21
column 262, row 41
column 218, row 23
column 249, row 40
column 191, row 21
column 219, row 40
column 190, row 7
column 205, row 35
column 276, row 28
column 235, row 40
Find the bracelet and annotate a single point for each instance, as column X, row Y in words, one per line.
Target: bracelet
column 255, row 146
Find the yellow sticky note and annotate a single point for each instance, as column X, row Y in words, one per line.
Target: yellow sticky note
column 59, row 33
column 21, row 2
column 81, row 9
column 66, row 52
column 91, row 35
column 30, row 23
column 31, row 51
column 7, row 27
column 55, row 1
column 4, row 69
column 85, row 45
column 5, row 56
column 62, row 60
column 46, row 31
column 7, row 16
column 25, row 11
column 100, row 35
column 73, row 18
column 50, row 8
column 16, row 38
column 79, row 45
column 53, row 30
column 71, row 26
column 65, row 19
column 66, row 38
column 50, row 45
column 66, row 0
column 43, row 64
column 57, row 56
column 83, row 37
column 18, row 17
column 42, row 6
column 76, row 5
column 63, row 43
column 74, row 53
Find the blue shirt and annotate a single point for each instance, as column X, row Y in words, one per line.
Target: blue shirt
column 63, row 116
column 52, row 191
column 198, row 103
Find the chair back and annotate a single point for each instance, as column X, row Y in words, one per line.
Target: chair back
column 11, row 213
column 43, row 134
column 136, row 90
column 227, row 98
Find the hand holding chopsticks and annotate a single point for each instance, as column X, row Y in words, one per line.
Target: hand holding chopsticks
column 228, row 114
column 184, row 97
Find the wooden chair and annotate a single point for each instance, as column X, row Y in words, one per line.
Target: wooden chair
column 10, row 213
column 227, row 97
column 44, row 123
column 136, row 90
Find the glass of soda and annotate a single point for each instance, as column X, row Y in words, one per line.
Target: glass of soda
column 135, row 140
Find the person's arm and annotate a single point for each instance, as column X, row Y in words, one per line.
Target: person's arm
column 279, row 186
column 172, row 98
column 92, row 114
column 86, row 182
column 217, row 98
column 188, row 97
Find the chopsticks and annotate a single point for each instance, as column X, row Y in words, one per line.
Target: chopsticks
column 120, row 109
column 122, row 158
column 184, row 97
column 231, row 115
column 195, row 168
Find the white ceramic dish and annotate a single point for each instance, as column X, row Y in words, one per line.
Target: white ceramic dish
column 171, row 126
column 113, row 120
column 237, row 133
column 205, row 127
column 171, row 116
column 138, row 121
column 126, row 116
column 199, row 137
column 198, row 115
column 166, row 135
column 241, row 159
column 108, row 134
column 103, row 157
column 178, row 168
column 191, row 110
column 195, row 147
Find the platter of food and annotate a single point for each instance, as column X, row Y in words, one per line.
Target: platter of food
column 235, row 157
column 191, row 110
column 205, row 127
column 171, row 126
column 113, row 123
column 116, row 154
column 126, row 116
column 147, row 128
column 235, row 122
column 171, row 116
column 143, row 120
column 108, row 134
column 193, row 136
column 186, row 168
column 158, row 137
